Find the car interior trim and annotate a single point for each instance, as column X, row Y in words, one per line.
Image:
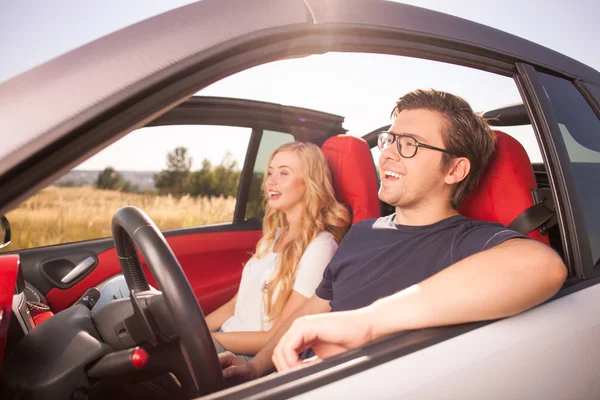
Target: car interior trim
column 246, row 177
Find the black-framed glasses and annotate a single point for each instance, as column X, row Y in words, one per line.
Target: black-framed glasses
column 407, row 145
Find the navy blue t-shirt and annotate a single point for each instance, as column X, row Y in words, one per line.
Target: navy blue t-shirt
column 378, row 258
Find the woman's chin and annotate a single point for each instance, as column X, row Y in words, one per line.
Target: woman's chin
column 280, row 207
column 275, row 205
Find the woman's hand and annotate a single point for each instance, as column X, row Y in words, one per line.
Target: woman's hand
column 327, row 334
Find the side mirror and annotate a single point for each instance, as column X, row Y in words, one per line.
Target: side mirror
column 4, row 232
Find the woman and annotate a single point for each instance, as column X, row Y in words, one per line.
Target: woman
column 302, row 227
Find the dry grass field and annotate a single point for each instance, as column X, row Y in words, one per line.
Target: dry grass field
column 62, row 215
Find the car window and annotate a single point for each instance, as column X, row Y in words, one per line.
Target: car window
column 580, row 129
column 269, row 141
column 180, row 175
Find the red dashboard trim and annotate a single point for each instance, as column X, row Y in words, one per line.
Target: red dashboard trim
column 9, row 269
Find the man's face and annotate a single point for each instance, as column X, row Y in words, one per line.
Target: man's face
column 410, row 182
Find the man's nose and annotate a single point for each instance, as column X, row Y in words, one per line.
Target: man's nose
column 391, row 152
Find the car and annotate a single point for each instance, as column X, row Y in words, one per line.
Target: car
column 143, row 77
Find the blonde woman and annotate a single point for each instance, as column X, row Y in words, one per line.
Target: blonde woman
column 302, row 227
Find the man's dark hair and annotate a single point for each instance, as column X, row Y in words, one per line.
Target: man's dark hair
column 466, row 134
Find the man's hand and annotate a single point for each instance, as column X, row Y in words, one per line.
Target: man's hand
column 234, row 369
column 327, row 334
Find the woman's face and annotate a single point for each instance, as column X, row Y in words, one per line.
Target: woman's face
column 285, row 186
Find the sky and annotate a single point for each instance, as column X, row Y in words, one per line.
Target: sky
column 360, row 87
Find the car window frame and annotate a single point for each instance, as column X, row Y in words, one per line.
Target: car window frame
column 588, row 96
column 591, row 93
column 576, row 246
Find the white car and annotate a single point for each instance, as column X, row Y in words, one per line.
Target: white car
column 63, row 112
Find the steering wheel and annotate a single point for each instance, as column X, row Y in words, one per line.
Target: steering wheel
column 131, row 227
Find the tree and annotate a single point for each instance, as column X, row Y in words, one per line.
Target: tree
column 109, row 179
column 173, row 179
column 255, row 208
column 200, row 182
column 221, row 180
column 129, row 187
column 226, row 176
column 68, row 183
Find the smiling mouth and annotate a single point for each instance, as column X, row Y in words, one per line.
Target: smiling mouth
column 274, row 195
column 391, row 175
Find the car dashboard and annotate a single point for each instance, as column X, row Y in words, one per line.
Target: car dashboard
column 28, row 310
column 21, row 319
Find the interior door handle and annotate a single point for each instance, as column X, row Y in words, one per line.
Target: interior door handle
column 80, row 268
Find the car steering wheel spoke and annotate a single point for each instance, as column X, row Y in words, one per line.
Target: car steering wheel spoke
column 138, row 325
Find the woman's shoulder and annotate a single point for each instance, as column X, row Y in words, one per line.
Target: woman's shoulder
column 322, row 240
column 324, row 236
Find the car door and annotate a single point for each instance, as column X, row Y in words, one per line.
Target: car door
column 212, row 248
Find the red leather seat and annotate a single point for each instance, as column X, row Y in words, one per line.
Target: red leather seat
column 504, row 188
column 354, row 176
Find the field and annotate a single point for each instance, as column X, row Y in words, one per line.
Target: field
column 62, row 215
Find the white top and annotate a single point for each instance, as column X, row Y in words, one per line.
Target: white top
column 249, row 312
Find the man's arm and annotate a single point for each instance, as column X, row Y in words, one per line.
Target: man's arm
column 502, row 281
column 261, row 364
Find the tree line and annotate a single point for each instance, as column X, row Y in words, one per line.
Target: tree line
column 178, row 179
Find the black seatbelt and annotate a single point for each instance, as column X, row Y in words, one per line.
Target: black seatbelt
column 532, row 218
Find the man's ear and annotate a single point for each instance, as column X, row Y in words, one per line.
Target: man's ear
column 459, row 170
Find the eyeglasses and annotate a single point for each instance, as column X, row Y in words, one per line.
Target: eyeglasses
column 407, row 145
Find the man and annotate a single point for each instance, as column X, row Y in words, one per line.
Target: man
column 425, row 265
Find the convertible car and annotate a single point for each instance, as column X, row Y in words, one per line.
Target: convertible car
column 54, row 342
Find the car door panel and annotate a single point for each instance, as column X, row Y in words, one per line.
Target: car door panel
column 63, row 272
column 45, row 267
column 212, row 261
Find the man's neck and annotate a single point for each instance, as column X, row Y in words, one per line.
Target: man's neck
column 423, row 216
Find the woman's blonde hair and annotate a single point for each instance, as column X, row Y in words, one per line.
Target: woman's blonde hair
column 322, row 213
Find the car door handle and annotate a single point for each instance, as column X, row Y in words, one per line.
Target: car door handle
column 80, row 268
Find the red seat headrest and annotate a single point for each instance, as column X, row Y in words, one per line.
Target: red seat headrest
column 504, row 188
column 354, row 176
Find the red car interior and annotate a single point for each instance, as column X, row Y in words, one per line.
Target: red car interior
column 354, row 176
column 212, row 262
column 504, row 188
column 9, row 267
